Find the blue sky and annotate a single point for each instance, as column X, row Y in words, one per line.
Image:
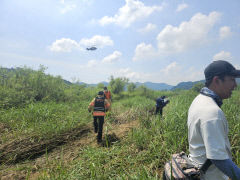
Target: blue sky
column 166, row 41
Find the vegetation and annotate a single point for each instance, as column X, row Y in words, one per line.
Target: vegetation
column 117, row 85
column 38, row 110
column 197, row 87
column 131, row 87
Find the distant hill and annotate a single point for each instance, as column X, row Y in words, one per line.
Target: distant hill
column 150, row 85
column 186, row 85
column 190, row 84
column 155, row 86
column 67, row 82
column 93, row 85
column 162, row 86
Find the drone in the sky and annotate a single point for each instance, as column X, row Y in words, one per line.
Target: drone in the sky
column 93, row 48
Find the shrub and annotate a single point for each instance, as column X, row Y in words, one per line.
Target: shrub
column 117, row 85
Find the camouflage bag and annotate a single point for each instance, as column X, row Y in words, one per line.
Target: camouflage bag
column 181, row 168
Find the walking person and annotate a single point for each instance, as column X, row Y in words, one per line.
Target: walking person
column 107, row 94
column 99, row 105
column 208, row 126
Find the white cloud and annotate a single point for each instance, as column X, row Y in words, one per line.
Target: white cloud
column 149, row 27
column 64, row 45
column 175, row 73
column 223, row 55
column 92, row 63
column 225, row 32
column 132, row 11
column 67, row 45
column 171, row 68
column 171, row 74
column 192, row 33
column 143, row 51
column 181, row 7
column 97, row 40
column 68, row 8
column 172, row 39
column 128, row 73
column 115, row 56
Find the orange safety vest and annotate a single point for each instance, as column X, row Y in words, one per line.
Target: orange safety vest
column 107, row 94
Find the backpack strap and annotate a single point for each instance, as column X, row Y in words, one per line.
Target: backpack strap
column 205, row 166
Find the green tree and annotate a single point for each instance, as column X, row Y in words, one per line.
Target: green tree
column 100, row 86
column 20, row 86
column 131, row 87
column 117, row 85
column 142, row 89
column 197, row 87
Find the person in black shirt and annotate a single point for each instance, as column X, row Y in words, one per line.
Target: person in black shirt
column 160, row 103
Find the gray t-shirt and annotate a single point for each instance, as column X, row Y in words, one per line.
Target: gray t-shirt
column 208, row 135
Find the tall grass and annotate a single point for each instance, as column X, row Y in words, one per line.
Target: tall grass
column 143, row 153
column 28, row 109
column 33, row 103
column 232, row 113
column 43, row 119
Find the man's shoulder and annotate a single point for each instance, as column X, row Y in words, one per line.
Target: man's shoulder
column 204, row 101
column 205, row 107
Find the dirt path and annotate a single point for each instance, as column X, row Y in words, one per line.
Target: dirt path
column 67, row 151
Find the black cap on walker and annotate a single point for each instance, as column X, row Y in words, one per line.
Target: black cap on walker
column 100, row 93
column 220, row 67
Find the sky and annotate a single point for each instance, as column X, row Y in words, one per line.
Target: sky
column 161, row 41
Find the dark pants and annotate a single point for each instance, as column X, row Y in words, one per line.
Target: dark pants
column 159, row 110
column 98, row 126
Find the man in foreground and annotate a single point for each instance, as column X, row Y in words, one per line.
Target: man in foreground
column 207, row 125
column 99, row 106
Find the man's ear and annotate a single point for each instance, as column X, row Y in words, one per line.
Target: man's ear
column 215, row 80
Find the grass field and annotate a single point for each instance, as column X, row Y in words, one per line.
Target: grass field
column 52, row 138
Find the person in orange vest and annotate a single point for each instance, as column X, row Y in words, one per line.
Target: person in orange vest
column 99, row 105
column 107, row 95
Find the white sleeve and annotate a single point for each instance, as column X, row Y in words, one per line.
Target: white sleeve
column 213, row 134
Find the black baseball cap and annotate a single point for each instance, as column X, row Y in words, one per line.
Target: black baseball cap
column 220, row 67
column 100, row 93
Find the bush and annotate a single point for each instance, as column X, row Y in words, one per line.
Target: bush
column 117, row 85
column 22, row 86
column 197, row 87
column 131, row 87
